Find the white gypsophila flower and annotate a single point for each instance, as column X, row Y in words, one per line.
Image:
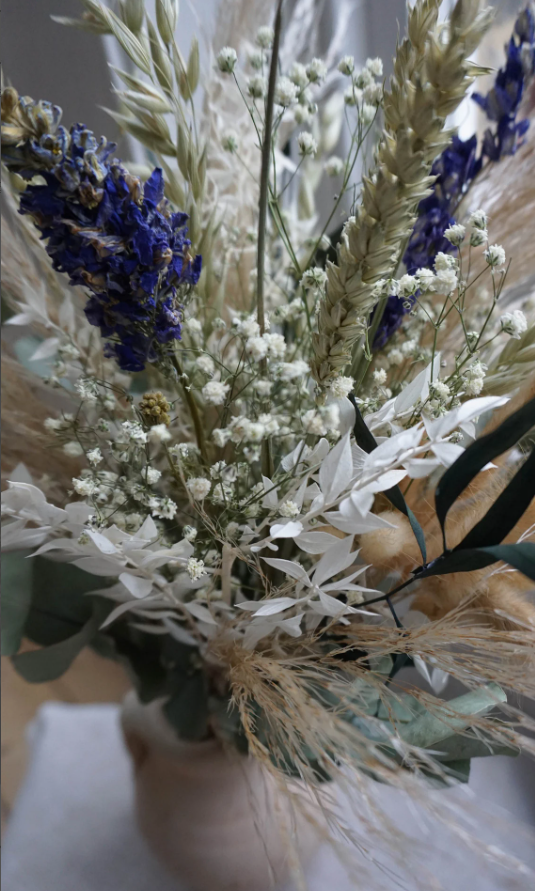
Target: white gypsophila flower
column 55, row 424
column 152, row 475
column 331, row 417
column 221, row 494
column 248, row 327
column 478, row 220
column 514, row 323
column 73, row 449
column 367, row 114
column 109, row 402
column 316, row 71
column 373, row 94
column 198, row 487
column 474, row 378
column 446, row 281
column 379, row 376
column 314, row 278
column 219, row 324
column 257, row 86
column 264, row 37
column 165, row 508
column 346, row 65
column 495, row 255
column 262, row 387
column 227, row 59
column 408, row 284
column 478, row 236
column 276, row 345
column 189, row 533
column 286, row 92
column 215, row 392
column 455, row 234
column 395, row 356
column 205, row 364
column 375, row 66
column 87, row 388
column 253, row 431
column 159, row 433
column 193, row 326
column 363, row 78
column 341, row 386
column 270, row 424
column 302, row 114
column 289, row 509
column 195, row 568
column 298, row 75
column 408, row 347
column 229, row 141
column 221, row 437
column 184, row 449
column 256, row 59
column 444, row 262
column 84, row 487
column 94, row 456
column 426, row 279
column 231, row 530
column 333, row 166
column 289, row 371
column 313, row 423
column 256, row 348
column 439, row 390
column 307, row 144
column 134, row 431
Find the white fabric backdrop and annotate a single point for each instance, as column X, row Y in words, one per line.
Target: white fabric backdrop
column 72, row 827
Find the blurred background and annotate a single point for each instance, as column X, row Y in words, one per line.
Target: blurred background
column 44, row 60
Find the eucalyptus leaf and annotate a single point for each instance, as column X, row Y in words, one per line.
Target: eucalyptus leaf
column 49, row 663
column 16, row 599
column 458, row 747
column 452, row 717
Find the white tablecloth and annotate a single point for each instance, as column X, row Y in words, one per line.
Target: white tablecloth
column 72, row 827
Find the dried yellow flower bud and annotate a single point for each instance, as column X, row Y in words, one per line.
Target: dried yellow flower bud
column 155, row 409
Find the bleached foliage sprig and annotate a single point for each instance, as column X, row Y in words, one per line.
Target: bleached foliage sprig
column 431, row 76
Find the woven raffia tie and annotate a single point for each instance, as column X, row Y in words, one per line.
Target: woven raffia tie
column 431, row 77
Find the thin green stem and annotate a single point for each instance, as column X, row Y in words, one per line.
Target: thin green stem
column 193, row 410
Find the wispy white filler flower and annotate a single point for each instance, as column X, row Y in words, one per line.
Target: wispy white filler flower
column 227, row 59
column 346, row 65
column 455, row 234
column 514, row 323
column 317, row 71
column 298, row 75
column 334, row 166
column 307, row 144
column 286, row 92
column 159, row 433
column 264, row 37
column 257, row 86
column 73, row 449
column 495, row 255
column 199, row 487
column 195, row 568
column 341, row 386
column 215, row 392
column 94, row 456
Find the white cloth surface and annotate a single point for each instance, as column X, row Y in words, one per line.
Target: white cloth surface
column 73, row 829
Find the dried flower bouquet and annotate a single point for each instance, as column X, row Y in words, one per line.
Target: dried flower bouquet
column 302, row 466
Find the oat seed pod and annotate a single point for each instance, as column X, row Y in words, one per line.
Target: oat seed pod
column 431, row 77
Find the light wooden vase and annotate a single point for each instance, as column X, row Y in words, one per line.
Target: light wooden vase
column 217, row 822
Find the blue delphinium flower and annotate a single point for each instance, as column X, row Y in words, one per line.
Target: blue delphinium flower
column 109, row 233
column 458, row 165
